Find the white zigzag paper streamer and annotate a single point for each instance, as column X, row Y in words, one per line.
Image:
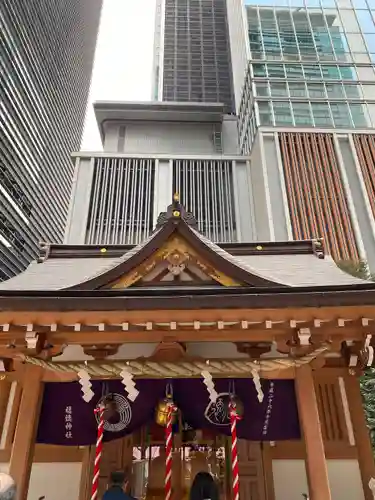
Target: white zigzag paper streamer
column 209, row 383
column 84, row 380
column 371, row 485
column 370, row 350
column 258, row 385
column 129, row 384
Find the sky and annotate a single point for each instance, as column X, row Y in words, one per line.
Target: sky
column 123, row 59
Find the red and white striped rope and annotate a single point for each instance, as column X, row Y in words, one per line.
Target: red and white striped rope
column 98, row 453
column 234, row 455
column 168, row 451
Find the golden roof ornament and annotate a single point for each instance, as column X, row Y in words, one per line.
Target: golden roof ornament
column 176, row 211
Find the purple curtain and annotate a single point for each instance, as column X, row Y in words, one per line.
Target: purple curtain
column 67, row 420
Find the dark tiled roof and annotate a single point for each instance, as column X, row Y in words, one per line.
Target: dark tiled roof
column 299, row 270
column 286, row 264
column 57, row 274
column 290, row 270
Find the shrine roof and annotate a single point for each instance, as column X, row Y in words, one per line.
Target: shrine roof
column 268, row 266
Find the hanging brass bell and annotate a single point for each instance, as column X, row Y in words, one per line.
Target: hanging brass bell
column 238, row 406
column 161, row 415
column 110, row 408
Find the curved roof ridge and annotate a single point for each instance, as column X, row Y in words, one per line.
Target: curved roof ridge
column 267, row 269
column 234, row 260
column 301, row 270
column 114, row 263
column 175, row 219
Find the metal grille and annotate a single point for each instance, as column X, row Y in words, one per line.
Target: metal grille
column 197, row 62
column 121, row 206
column 206, row 190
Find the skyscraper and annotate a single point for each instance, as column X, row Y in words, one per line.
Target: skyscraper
column 306, row 116
column 305, row 53
column 192, row 54
column 46, row 57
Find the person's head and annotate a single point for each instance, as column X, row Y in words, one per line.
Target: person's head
column 204, row 487
column 119, row 479
column 7, row 487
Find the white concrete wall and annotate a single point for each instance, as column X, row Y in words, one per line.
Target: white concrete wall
column 157, row 69
column 161, row 138
column 274, row 174
column 55, row 481
column 157, row 137
column 360, row 209
column 4, row 468
column 290, row 479
column 75, row 229
column 263, row 224
column 239, row 49
column 229, row 132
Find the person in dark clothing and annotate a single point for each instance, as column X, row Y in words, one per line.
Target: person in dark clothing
column 117, row 490
column 204, row 487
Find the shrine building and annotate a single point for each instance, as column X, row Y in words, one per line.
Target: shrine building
column 276, row 325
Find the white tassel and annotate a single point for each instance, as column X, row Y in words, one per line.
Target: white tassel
column 84, row 380
column 370, row 350
column 371, row 485
column 129, row 384
column 257, row 384
column 209, row 383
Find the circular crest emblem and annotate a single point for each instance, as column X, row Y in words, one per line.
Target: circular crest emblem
column 217, row 413
column 122, row 417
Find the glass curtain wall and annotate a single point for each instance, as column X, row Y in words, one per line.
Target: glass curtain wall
column 312, row 63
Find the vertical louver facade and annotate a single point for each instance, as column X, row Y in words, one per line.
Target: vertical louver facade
column 365, row 149
column 206, row 190
column 46, row 56
column 121, row 204
column 317, row 201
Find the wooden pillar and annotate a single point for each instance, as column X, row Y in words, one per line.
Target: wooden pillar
column 316, row 466
column 361, row 435
column 27, row 425
column 268, row 471
column 86, row 473
column 13, row 416
column 4, row 398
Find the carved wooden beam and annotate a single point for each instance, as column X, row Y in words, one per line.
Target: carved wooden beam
column 259, row 331
column 253, row 349
column 243, row 318
column 101, row 352
column 169, row 352
column 287, row 325
column 34, row 342
column 6, row 365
